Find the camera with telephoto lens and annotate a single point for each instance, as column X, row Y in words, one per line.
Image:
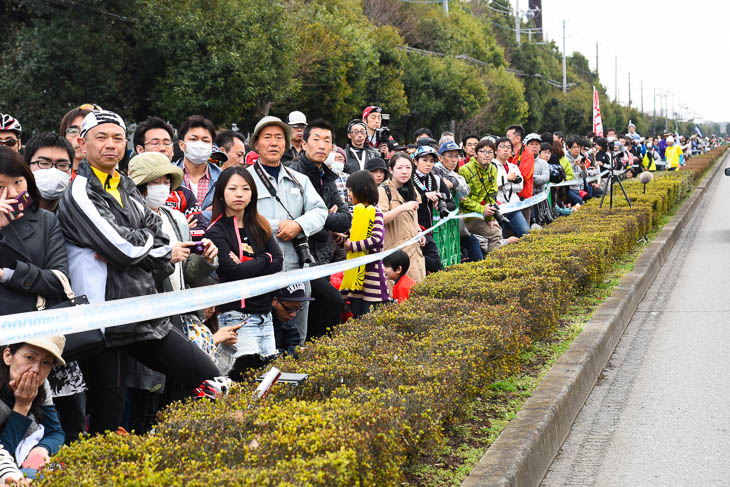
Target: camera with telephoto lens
column 501, row 219
column 301, row 247
column 441, row 206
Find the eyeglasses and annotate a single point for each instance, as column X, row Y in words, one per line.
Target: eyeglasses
column 294, row 309
column 504, row 146
column 154, row 143
column 357, row 132
column 485, row 152
column 61, row 165
column 9, row 142
column 73, row 131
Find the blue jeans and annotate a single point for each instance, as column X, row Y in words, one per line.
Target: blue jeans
column 517, row 224
column 256, row 335
column 473, row 251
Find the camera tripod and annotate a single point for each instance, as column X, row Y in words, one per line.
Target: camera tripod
column 613, row 178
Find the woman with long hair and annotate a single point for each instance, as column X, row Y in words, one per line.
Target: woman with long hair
column 246, row 249
column 399, row 201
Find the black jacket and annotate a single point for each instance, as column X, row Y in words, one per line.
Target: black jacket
column 127, row 237
column 291, row 156
column 425, row 209
column 222, row 232
column 31, row 246
column 353, row 156
column 321, row 244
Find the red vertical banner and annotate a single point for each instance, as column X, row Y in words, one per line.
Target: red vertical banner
column 597, row 122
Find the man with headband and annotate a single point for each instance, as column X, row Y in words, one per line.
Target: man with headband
column 115, row 246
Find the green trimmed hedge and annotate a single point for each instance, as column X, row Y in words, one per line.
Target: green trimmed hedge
column 383, row 388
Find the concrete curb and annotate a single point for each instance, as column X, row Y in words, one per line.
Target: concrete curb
column 526, row 447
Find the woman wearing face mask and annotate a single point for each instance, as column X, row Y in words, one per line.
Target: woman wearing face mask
column 399, row 202
column 50, row 157
column 31, row 242
column 154, row 175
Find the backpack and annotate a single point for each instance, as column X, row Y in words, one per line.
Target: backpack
column 557, row 173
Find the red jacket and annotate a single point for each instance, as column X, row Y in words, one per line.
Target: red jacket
column 524, row 159
column 402, row 288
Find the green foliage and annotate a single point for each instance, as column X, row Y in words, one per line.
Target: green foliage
column 199, row 60
column 442, row 89
column 52, row 62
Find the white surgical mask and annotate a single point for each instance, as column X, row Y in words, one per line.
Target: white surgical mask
column 51, row 182
column 337, row 167
column 157, row 195
column 649, row 146
column 198, row 152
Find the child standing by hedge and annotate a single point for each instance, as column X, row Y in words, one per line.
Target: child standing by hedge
column 366, row 284
column 395, row 267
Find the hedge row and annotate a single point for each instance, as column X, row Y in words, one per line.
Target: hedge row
column 382, row 389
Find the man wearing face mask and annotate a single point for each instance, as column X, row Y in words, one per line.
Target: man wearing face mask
column 196, row 136
column 50, row 157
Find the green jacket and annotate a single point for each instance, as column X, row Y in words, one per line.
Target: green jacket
column 569, row 175
column 483, row 184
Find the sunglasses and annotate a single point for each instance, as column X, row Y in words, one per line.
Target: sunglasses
column 9, row 142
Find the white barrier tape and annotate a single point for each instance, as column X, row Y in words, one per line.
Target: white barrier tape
column 22, row 326
column 19, row 327
column 578, row 182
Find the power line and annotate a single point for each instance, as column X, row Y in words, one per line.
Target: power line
column 471, row 60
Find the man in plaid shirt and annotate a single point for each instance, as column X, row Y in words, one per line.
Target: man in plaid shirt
column 196, row 137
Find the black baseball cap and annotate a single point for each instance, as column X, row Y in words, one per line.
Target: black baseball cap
column 295, row 293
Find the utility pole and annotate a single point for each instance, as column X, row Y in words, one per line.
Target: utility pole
column 629, row 90
column 596, row 58
column 565, row 79
column 517, row 21
column 615, row 78
column 446, row 7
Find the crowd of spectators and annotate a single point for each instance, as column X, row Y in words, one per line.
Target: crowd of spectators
column 197, row 206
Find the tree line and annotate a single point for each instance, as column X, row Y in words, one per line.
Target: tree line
column 237, row 60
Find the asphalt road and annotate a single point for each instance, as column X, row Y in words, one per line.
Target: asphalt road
column 659, row 414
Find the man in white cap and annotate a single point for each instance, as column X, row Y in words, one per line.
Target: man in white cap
column 287, row 199
column 117, row 250
column 297, row 122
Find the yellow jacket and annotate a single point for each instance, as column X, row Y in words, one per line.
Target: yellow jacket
column 672, row 154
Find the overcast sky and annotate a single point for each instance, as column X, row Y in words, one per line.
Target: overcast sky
column 642, row 33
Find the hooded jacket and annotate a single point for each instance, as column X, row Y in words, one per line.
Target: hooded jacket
column 324, row 181
column 133, row 253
